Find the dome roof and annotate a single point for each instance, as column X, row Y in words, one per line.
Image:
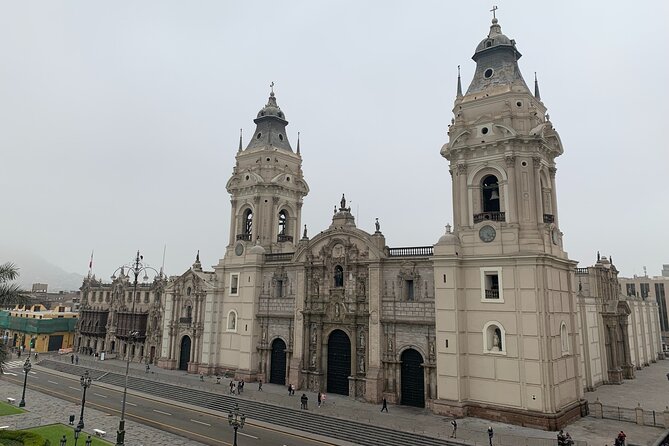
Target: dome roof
column 271, row 108
column 449, row 238
column 495, row 39
column 257, row 249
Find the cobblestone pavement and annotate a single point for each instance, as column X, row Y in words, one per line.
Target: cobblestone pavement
column 595, row 432
column 43, row 409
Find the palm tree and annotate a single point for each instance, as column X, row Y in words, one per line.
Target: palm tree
column 10, row 293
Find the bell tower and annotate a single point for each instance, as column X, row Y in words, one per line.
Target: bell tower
column 504, row 285
column 267, row 185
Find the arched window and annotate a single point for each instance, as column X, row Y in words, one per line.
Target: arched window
column 490, row 193
column 189, row 311
column 248, row 221
column 283, row 220
column 564, row 338
column 494, row 338
column 338, row 276
column 232, row 321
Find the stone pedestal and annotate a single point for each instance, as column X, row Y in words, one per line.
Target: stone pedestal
column 167, row 364
column 628, row 371
column 615, row 376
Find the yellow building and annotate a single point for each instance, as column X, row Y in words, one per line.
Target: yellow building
column 38, row 329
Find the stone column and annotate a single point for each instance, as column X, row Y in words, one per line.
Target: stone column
column 552, row 171
column 512, row 192
column 537, row 190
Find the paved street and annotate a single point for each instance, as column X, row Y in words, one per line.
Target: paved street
column 595, row 432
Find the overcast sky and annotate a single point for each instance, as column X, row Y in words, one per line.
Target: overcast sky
column 119, row 121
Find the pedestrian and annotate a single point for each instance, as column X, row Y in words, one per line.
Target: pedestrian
column 241, row 385
column 18, row 354
column 323, row 400
column 384, row 405
column 621, row 438
column 218, row 379
column 238, row 387
column 568, row 441
column 201, row 378
column 290, row 388
column 490, row 434
column 76, row 359
column 260, row 385
column 148, row 368
column 35, row 356
column 455, row 428
column 72, row 359
column 304, row 400
column 232, row 387
column 560, row 438
column 319, row 398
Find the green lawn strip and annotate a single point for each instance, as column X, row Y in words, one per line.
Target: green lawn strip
column 54, row 433
column 8, row 409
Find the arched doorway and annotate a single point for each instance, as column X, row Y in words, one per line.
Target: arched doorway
column 184, row 355
column 277, row 373
column 413, row 384
column 339, row 362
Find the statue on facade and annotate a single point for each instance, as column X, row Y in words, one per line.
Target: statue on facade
column 390, row 344
column 314, row 335
column 342, row 203
column 337, row 314
column 378, row 225
column 495, row 343
column 313, row 359
column 361, row 364
column 362, row 338
column 431, row 349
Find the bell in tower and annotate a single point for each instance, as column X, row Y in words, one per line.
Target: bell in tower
column 267, row 185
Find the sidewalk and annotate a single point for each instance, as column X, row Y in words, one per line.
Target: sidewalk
column 595, row 432
column 43, row 409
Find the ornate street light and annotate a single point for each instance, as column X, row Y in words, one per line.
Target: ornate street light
column 136, row 268
column 236, row 420
column 85, row 383
column 77, row 431
column 26, row 368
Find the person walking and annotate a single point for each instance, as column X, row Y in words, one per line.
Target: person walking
column 76, row 359
column 384, row 405
column 239, row 388
column 72, row 359
column 319, row 398
column 148, row 368
column 304, row 400
column 232, row 387
column 490, row 434
column 260, row 385
column 290, row 388
column 241, row 385
column 455, row 428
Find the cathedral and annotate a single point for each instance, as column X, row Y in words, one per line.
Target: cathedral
column 484, row 322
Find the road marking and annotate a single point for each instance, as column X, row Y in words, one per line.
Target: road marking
column 201, row 422
column 247, row 435
column 74, row 388
column 52, row 382
column 131, row 404
column 172, row 428
column 33, row 373
column 8, row 373
column 101, row 396
column 164, row 413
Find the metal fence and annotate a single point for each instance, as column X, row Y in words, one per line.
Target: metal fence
column 619, row 413
column 653, row 418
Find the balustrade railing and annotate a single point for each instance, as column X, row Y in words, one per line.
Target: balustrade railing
column 549, row 218
column 411, row 251
column 245, row 237
column 284, row 238
column 492, row 294
column 581, row 270
column 490, row 216
column 279, row 257
column 185, row 320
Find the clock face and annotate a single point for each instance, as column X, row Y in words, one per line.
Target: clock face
column 555, row 236
column 239, row 249
column 487, row 233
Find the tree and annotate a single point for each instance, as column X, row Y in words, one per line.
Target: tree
column 10, row 293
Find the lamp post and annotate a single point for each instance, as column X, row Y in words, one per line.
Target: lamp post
column 136, row 268
column 85, row 383
column 26, row 368
column 77, row 431
column 236, row 420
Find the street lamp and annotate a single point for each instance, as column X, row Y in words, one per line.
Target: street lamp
column 26, row 368
column 77, row 431
column 236, row 420
column 85, row 383
column 136, row 268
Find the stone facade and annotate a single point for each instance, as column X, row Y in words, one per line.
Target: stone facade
column 651, row 289
column 487, row 322
column 108, row 315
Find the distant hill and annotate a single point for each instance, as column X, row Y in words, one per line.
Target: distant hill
column 34, row 269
